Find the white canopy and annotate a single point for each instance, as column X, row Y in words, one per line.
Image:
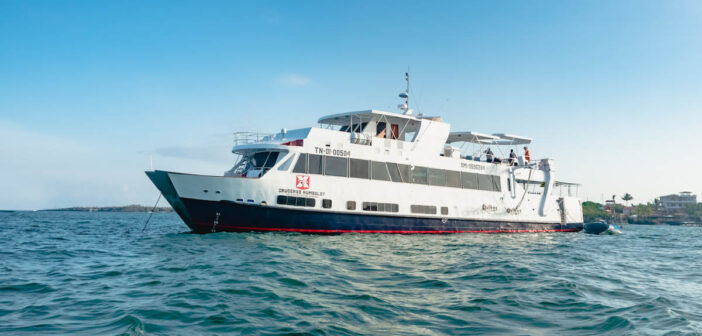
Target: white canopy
column 513, row 139
column 472, row 137
column 346, row 117
column 487, row 139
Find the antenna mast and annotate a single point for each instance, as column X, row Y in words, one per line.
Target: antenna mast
column 405, row 95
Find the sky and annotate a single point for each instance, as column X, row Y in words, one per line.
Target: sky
column 91, row 90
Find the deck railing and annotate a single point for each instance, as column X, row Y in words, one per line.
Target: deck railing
column 242, row 138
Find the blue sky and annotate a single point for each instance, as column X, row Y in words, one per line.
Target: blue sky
column 89, row 89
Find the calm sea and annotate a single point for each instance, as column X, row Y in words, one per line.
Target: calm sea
column 76, row 273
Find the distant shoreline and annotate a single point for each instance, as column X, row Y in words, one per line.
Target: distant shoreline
column 125, row 208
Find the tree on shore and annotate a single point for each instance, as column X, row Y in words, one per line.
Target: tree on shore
column 694, row 210
column 627, row 197
column 645, row 210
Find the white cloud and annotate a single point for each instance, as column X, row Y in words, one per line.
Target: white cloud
column 293, row 80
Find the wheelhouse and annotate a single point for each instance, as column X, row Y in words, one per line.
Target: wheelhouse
column 365, row 125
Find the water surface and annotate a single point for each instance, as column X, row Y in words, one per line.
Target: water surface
column 84, row 273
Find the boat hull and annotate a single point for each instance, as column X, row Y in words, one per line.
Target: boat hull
column 204, row 216
column 211, row 216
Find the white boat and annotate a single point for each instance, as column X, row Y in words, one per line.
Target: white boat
column 375, row 172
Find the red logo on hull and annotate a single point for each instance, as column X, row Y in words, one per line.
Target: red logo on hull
column 302, row 182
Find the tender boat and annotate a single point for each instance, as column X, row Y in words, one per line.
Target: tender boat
column 376, row 172
column 601, row 227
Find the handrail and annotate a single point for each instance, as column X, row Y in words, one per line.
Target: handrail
column 243, row 138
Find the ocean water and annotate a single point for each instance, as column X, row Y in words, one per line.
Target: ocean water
column 77, row 273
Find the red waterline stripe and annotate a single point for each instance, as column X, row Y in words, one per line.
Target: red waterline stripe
column 384, row 231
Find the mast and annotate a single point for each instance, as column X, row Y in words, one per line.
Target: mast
column 405, row 95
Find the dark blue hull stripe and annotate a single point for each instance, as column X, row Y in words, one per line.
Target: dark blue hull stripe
column 209, row 216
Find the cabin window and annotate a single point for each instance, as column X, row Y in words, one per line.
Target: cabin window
column 315, row 164
column 444, row 210
column 326, row 203
column 509, row 185
column 419, row 175
column 336, row 166
column 496, row 183
column 351, row 205
column 300, row 201
column 436, row 177
column 301, row 164
column 359, row 168
column 296, row 201
column 485, row 182
column 423, row 209
column 380, row 207
column 379, row 171
column 404, row 172
column 469, row 180
column 453, row 179
column 394, row 172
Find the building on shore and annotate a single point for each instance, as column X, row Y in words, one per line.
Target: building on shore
column 678, row 202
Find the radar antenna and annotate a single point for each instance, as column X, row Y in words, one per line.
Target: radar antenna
column 405, row 95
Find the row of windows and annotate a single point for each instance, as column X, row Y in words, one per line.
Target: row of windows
column 395, row 172
column 296, row 201
column 367, row 206
column 384, row 207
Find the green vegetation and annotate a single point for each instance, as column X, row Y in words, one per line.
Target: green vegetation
column 645, row 210
column 627, row 197
column 694, row 210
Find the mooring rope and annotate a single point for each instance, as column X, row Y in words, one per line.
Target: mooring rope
column 152, row 212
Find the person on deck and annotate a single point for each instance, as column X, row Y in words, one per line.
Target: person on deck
column 512, row 157
column 527, row 155
column 489, row 155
